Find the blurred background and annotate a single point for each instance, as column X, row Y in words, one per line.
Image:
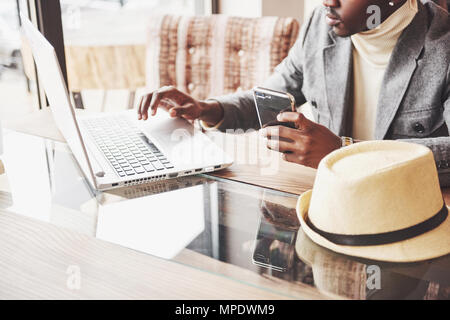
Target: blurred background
column 104, row 45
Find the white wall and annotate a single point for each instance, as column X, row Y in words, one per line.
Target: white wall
column 241, row 8
column 283, row 8
column 299, row 9
column 258, row 8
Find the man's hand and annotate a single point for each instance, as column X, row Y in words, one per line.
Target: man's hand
column 306, row 145
column 179, row 104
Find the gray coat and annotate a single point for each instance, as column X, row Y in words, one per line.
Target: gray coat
column 414, row 103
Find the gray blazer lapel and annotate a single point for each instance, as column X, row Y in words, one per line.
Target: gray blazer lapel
column 338, row 67
column 399, row 72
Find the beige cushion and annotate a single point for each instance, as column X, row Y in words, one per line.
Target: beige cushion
column 215, row 55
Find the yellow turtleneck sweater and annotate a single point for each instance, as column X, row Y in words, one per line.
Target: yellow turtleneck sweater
column 371, row 54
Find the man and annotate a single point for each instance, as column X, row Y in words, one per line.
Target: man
column 389, row 82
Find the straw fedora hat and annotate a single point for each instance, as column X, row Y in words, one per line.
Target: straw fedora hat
column 379, row 200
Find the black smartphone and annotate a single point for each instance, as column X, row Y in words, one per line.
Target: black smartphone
column 274, row 246
column 269, row 102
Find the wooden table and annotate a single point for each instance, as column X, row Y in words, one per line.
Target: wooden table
column 35, row 256
column 33, row 248
column 288, row 177
column 34, row 252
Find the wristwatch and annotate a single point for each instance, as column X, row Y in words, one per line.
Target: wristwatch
column 346, row 141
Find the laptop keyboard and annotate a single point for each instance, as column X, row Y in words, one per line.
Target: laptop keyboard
column 127, row 149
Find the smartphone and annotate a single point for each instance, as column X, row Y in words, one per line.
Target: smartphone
column 269, row 102
column 274, row 246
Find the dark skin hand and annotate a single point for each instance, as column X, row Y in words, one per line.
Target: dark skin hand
column 179, row 104
column 306, row 145
column 310, row 142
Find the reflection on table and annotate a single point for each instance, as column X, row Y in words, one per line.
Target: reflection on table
column 236, row 230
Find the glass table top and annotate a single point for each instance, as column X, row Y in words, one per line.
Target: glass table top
column 240, row 231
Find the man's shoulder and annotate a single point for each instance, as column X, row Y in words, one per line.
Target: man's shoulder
column 438, row 33
column 439, row 19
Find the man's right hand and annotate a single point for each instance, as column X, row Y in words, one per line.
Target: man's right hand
column 179, row 104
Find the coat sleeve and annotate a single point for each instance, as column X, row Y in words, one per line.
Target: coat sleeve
column 239, row 108
column 440, row 145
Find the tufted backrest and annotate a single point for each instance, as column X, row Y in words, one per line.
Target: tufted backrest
column 215, row 55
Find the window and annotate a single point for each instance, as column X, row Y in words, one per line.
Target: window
column 104, row 45
column 17, row 85
column 100, row 44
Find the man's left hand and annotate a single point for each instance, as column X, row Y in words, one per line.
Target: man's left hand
column 306, row 145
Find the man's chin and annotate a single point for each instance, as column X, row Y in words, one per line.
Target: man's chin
column 341, row 31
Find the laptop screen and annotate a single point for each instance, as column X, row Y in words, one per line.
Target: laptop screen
column 53, row 83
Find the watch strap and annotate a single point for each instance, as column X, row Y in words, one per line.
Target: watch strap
column 346, row 141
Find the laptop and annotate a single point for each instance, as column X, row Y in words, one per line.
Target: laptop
column 115, row 149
